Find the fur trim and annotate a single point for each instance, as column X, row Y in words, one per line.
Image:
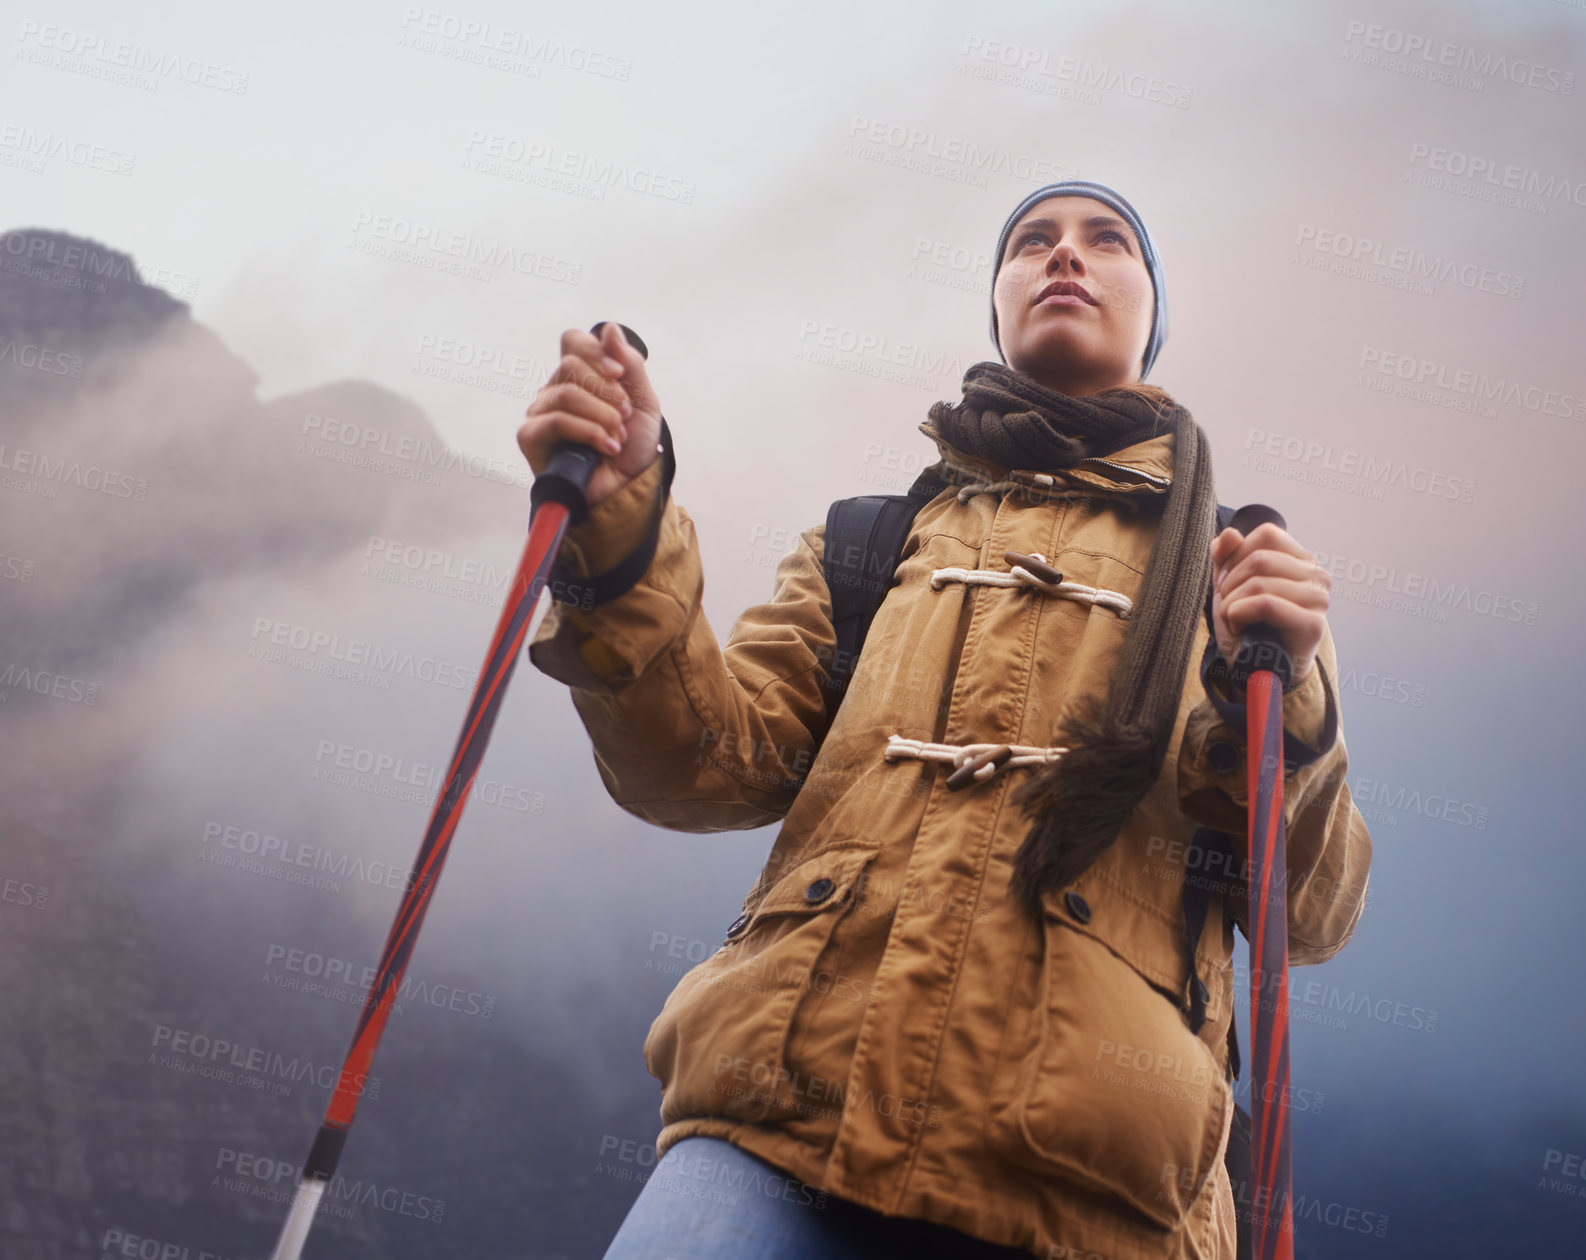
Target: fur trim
column 1081, row 801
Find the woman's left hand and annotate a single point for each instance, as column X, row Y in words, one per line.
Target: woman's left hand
column 1266, row 576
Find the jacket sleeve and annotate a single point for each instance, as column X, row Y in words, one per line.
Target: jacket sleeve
column 689, row 734
column 1328, row 852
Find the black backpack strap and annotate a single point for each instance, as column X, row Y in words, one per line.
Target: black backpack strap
column 1208, row 862
column 863, row 543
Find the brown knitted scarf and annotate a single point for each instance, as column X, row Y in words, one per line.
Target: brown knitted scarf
column 1116, row 743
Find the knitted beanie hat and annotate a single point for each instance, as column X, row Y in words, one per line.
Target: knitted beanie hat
column 1153, row 263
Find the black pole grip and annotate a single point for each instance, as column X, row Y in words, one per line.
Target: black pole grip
column 1260, row 646
column 566, row 477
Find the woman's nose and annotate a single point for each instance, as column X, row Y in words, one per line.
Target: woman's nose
column 1064, row 253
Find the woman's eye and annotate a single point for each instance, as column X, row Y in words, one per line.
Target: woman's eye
column 1032, row 237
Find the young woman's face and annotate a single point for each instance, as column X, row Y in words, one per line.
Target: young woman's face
column 1092, row 338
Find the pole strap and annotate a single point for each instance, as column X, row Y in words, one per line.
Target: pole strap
column 567, row 586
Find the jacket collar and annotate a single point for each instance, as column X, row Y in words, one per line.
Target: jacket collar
column 1144, row 468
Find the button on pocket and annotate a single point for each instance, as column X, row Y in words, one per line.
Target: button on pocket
column 1077, row 906
column 742, row 1005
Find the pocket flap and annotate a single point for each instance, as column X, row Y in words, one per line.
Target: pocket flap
column 817, row 883
column 1107, row 913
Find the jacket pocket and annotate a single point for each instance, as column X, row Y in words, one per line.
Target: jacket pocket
column 719, row 1045
column 1113, row 1091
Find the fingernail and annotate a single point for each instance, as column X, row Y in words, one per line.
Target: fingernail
column 613, row 445
column 610, row 364
column 626, row 409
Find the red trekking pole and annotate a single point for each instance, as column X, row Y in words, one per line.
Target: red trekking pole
column 557, row 499
column 1264, row 666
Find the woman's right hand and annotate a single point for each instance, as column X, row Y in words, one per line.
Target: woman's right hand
column 600, row 395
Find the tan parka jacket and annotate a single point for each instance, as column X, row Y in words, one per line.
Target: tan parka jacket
column 883, row 1019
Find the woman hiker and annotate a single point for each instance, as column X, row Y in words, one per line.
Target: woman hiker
column 960, row 1013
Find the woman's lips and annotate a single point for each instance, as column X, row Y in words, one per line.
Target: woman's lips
column 1063, row 299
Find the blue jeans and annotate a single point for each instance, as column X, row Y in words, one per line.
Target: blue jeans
column 708, row 1200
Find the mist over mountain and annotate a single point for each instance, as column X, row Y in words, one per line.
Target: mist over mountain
column 165, row 1067
column 125, row 415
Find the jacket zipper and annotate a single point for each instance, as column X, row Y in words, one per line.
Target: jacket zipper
column 1155, row 481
